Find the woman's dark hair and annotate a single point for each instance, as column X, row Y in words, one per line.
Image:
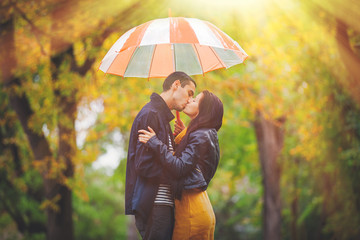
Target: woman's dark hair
column 210, row 115
column 181, row 76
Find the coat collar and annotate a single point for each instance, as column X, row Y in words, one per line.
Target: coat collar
column 162, row 107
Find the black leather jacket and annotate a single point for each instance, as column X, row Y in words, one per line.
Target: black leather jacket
column 198, row 161
column 143, row 170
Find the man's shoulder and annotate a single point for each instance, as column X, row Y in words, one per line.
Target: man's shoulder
column 148, row 114
column 147, row 110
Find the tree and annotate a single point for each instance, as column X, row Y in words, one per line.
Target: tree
column 342, row 17
column 349, row 57
column 270, row 137
column 54, row 157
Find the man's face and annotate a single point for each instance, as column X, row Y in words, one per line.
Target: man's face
column 183, row 95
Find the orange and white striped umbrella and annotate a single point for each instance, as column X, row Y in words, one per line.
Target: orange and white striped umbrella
column 159, row 47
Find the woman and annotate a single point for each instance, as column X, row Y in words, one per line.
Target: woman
column 193, row 164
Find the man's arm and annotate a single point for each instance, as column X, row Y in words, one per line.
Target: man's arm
column 146, row 163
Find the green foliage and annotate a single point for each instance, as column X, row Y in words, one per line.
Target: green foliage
column 293, row 70
column 102, row 216
column 235, row 191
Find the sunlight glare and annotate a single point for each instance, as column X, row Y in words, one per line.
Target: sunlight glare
column 216, row 8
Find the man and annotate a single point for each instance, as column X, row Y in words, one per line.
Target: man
column 148, row 191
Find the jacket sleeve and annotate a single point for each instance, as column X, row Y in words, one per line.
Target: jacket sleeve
column 145, row 159
column 179, row 166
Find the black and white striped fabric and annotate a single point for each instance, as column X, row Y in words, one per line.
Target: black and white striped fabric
column 163, row 196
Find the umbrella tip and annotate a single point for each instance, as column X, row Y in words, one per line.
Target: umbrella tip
column 169, row 12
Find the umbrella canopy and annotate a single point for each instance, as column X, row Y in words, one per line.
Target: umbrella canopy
column 159, row 47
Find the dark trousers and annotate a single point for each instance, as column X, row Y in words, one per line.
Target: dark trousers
column 159, row 225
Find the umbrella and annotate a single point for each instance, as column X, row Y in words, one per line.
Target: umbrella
column 159, row 47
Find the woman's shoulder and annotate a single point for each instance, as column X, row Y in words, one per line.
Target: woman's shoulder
column 204, row 134
column 205, row 131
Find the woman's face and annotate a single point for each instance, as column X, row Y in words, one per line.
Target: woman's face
column 192, row 108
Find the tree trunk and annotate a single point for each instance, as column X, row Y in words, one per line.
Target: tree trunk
column 60, row 223
column 270, row 138
column 19, row 102
column 7, row 50
column 350, row 60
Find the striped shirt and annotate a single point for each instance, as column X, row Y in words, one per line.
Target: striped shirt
column 163, row 196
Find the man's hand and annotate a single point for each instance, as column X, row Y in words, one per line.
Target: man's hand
column 144, row 135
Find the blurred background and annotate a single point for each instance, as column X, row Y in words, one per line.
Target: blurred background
column 290, row 141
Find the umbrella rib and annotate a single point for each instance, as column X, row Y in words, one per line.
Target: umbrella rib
column 151, row 62
column 173, row 52
column 218, row 57
column 132, row 56
column 172, row 46
column 197, row 53
column 109, row 65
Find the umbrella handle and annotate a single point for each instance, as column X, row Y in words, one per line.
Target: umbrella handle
column 177, row 118
column 177, row 115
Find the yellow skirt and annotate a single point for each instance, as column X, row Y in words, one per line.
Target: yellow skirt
column 194, row 216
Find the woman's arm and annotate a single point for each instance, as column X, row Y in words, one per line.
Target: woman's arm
column 178, row 166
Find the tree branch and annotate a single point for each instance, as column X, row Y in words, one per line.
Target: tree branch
column 21, row 105
column 34, row 28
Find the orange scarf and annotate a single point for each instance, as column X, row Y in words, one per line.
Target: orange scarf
column 180, row 136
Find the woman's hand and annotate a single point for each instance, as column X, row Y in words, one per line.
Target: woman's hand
column 179, row 126
column 144, row 135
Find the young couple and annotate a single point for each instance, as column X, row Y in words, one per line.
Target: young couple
column 166, row 178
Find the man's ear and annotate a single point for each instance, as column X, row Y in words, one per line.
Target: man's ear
column 176, row 84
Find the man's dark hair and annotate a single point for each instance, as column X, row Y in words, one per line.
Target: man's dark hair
column 183, row 77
